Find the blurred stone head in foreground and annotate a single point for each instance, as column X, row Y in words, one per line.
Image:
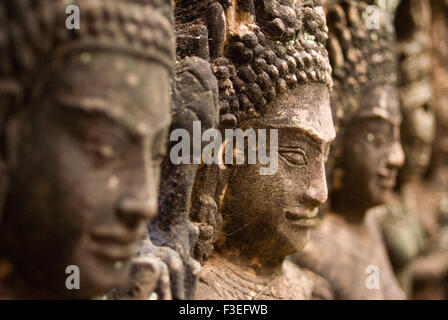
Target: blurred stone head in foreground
column 85, row 115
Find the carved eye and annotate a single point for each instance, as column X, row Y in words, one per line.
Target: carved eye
column 296, row 157
column 159, row 149
column 106, row 152
column 378, row 139
column 157, row 159
column 102, row 154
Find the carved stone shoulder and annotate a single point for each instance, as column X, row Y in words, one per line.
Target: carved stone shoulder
column 341, row 257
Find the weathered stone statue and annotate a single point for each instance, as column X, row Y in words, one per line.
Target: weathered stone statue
column 347, row 248
column 430, row 269
column 410, row 214
column 164, row 263
column 273, row 73
column 84, row 120
column 439, row 36
column 169, row 268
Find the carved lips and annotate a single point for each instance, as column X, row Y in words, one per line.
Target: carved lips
column 116, row 245
column 387, row 178
column 301, row 217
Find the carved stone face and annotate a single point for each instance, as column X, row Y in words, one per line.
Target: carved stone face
column 269, row 216
column 85, row 171
column 418, row 132
column 441, row 140
column 372, row 152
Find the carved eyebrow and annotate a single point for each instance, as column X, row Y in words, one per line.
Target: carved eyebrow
column 98, row 106
column 388, row 122
column 370, row 116
column 311, row 134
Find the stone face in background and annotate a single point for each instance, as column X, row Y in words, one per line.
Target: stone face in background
column 85, row 127
column 430, row 270
column 413, row 225
column 440, row 87
column 408, row 208
column 364, row 160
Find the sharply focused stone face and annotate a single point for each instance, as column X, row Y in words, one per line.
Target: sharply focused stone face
column 85, row 161
column 372, row 152
column 271, row 215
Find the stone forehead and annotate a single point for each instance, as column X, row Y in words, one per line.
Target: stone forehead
column 310, row 112
column 135, row 121
column 380, row 101
column 116, row 89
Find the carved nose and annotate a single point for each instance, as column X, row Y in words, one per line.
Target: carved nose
column 315, row 197
column 317, row 192
column 133, row 211
column 396, row 156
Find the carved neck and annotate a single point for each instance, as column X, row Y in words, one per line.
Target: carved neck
column 253, row 261
column 250, row 271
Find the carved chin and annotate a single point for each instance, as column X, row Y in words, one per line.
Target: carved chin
column 379, row 192
column 294, row 239
column 99, row 275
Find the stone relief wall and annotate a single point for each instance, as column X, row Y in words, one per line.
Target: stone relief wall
column 118, row 180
